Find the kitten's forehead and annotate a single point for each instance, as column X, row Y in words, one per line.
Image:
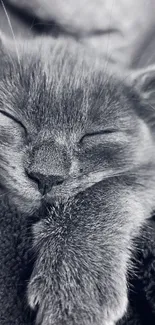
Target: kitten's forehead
column 55, row 89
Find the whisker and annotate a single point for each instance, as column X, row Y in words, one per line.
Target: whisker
column 3, row 194
column 108, row 42
column 13, row 34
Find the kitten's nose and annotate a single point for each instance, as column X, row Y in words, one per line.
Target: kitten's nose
column 45, row 183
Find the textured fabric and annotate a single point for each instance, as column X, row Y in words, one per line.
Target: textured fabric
column 142, row 281
column 15, row 266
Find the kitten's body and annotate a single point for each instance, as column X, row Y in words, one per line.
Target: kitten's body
column 83, row 138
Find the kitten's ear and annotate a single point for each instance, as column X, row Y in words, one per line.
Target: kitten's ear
column 143, row 81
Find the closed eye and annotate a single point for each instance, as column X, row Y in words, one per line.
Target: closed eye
column 16, row 120
column 96, row 133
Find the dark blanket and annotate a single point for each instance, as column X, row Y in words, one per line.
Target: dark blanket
column 16, row 263
column 142, row 281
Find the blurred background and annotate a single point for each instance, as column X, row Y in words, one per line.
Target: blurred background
column 121, row 30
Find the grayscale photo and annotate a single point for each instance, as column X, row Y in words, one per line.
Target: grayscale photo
column 77, row 162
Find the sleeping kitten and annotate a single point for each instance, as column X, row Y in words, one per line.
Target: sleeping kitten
column 77, row 148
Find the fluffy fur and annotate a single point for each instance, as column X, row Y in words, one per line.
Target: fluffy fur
column 76, row 151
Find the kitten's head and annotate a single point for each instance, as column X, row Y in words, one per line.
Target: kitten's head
column 65, row 124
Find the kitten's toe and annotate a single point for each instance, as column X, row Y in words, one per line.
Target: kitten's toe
column 39, row 299
column 114, row 314
column 43, row 320
column 35, row 288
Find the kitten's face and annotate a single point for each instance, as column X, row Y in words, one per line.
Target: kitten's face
column 64, row 125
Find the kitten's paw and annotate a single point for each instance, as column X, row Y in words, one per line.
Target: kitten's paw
column 40, row 298
column 65, row 295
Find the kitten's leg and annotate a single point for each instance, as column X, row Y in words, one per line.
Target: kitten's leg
column 83, row 253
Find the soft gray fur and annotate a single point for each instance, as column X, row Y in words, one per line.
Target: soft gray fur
column 77, row 146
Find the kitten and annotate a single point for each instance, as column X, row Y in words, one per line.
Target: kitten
column 77, row 149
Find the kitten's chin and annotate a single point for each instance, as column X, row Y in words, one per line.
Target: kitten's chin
column 73, row 186
column 69, row 189
column 62, row 193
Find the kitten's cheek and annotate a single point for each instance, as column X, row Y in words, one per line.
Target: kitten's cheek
column 27, row 201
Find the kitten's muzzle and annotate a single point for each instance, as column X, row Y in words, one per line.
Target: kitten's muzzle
column 46, row 183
